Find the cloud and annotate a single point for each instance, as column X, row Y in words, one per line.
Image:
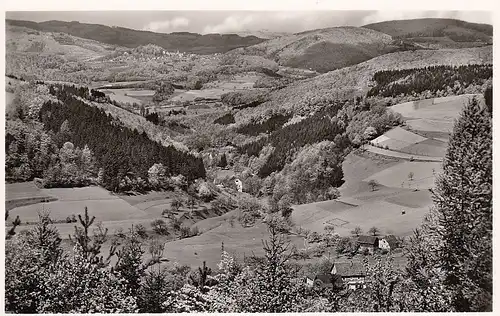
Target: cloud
column 284, row 21
column 232, row 23
column 168, row 25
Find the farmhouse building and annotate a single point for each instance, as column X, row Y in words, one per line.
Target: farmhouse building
column 368, row 242
column 322, row 281
column 389, row 243
column 353, row 274
column 349, row 274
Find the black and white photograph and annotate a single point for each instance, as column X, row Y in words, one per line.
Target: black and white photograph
column 310, row 159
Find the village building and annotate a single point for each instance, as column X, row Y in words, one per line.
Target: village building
column 389, row 243
column 368, row 242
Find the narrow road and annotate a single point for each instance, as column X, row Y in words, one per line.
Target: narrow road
column 397, row 154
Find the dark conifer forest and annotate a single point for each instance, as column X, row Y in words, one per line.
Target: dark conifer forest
column 120, row 152
column 417, row 80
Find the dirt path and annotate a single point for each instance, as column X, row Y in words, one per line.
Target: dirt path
column 391, row 153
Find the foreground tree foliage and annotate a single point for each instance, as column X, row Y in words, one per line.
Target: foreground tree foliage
column 41, row 278
column 464, row 212
column 450, row 256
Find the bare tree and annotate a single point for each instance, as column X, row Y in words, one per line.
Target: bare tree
column 357, row 231
column 374, row 231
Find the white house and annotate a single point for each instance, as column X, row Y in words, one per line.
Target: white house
column 239, row 185
column 389, row 243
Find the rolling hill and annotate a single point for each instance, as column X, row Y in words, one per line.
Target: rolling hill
column 349, row 82
column 437, row 33
column 179, row 41
column 326, row 49
column 25, row 40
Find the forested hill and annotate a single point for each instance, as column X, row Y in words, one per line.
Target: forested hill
column 124, row 155
column 180, row 41
column 456, row 30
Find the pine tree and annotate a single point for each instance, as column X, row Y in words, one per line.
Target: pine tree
column 129, row 265
column 223, row 161
column 275, row 287
column 463, row 206
column 91, row 247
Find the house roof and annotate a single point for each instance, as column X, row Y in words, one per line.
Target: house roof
column 392, row 241
column 371, row 240
column 325, row 278
column 350, row 268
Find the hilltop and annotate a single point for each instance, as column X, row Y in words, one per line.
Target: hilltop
column 437, row 33
column 26, row 40
column 265, row 34
column 326, row 49
column 179, row 41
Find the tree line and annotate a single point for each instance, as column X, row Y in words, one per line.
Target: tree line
column 392, row 83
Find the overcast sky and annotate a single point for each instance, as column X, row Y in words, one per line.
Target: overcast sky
column 234, row 21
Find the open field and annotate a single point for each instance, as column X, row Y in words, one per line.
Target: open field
column 445, row 108
column 412, row 199
column 428, row 147
column 433, row 120
column 111, row 85
column 190, row 95
column 23, row 194
column 435, row 115
column 72, row 201
column 397, row 176
column 397, row 138
column 207, row 247
column 358, row 166
column 401, row 155
column 431, row 125
column 103, row 210
column 214, row 90
column 22, row 190
column 129, row 95
column 381, row 214
column 112, row 211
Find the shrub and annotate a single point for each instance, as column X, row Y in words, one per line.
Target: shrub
column 223, row 204
column 226, row 119
column 185, row 232
column 141, row 230
column 313, row 237
column 195, row 231
column 160, row 227
column 119, row 233
column 373, row 184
